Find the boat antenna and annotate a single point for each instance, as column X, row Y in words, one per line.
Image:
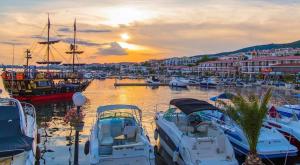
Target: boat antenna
column 27, row 56
column 12, row 76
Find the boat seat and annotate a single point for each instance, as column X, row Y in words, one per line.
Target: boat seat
column 116, row 127
column 105, row 136
column 130, row 132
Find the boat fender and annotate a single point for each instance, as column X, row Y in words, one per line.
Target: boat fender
column 38, row 138
column 155, row 134
column 38, row 153
column 175, row 155
column 87, row 147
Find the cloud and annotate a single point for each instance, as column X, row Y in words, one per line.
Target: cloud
column 12, row 42
column 67, row 30
column 113, row 49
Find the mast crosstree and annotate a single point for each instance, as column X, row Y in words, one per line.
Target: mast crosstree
column 74, row 48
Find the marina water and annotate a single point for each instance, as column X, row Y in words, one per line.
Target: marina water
column 57, row 138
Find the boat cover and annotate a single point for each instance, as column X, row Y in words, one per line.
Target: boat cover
column 190, row 105
column 12, row 139
column 224, row 95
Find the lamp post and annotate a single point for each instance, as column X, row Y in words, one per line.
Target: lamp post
column 78, row 100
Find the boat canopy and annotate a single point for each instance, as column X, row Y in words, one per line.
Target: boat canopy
column 117, row 107
column 12, row 138
column 190, row 105
column 225, row 95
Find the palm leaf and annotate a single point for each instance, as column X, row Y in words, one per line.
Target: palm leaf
column 248, row 113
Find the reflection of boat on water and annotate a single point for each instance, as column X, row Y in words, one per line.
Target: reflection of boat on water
column 18, row 132
column 118, row 137
column 188, row 139
column 32, row 85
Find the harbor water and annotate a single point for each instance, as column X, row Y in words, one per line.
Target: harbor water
column 57, row 138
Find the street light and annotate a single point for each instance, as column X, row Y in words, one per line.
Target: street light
column 79, row 100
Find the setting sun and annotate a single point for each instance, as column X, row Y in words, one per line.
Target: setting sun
column 125, row 36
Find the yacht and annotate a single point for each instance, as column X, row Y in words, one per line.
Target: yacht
column 178, row 82
column 288, row 110
column 271, row 144
column 18, row 132
column 288, row 126
column 188, row 139
column 208, row 83
column 152, row 80
column 118, row 138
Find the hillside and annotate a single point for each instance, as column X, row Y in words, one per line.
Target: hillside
column 295, row 44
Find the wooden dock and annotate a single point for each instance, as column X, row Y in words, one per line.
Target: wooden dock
column 139, row 84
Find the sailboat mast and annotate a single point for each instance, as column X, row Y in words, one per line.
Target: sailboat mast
column 74, row 46
column 48, row 44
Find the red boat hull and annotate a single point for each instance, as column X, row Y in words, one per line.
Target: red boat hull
column 48, row 97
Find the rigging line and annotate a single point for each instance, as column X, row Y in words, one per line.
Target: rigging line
column 38, row 53
column 58, row 53
column 34, row 44
column 51, row 54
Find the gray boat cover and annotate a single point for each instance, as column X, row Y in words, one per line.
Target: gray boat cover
column 12, row 140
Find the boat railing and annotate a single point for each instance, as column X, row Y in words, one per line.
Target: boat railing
column 29, row 109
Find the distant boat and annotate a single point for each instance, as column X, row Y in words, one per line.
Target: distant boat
column 152, row 80
column 119, row 138
column 209, row 83
column 18, row 132
column 188, row 139
column 178, row 82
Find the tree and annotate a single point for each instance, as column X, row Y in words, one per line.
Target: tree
column 206, row 58
column 249, row 114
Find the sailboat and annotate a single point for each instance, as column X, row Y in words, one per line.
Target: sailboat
column 32, row 85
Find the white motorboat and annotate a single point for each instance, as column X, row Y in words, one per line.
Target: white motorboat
column 271, row 144
column 178, row 82
column 18, row 132
column 153, row 80
column 288, row 126
column 118, row 138
column 188, row 139
column 209, row 83
column 288, row 110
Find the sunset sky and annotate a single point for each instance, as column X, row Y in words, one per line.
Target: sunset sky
column 121, row 30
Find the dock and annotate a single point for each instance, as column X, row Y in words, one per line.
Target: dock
column 139, row 84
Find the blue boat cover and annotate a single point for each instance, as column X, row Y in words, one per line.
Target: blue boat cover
column 12, row 139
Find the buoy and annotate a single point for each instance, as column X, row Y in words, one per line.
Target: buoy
column 175, row 155
column 37, row 153
column 156, row 134
column 87, row 147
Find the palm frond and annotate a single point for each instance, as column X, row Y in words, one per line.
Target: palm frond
column 249, row 113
